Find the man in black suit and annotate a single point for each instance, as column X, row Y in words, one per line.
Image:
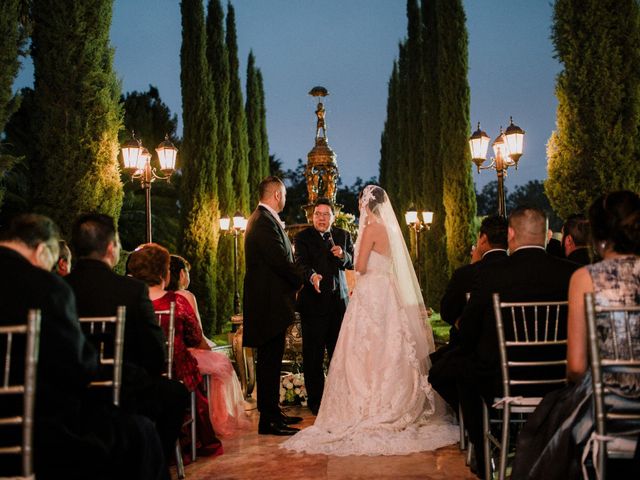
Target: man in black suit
column 74, row 437
column 528, row 274
column 491, row 246
column 270, row 284
column 575, row 239
column 99, row 291
column 323, row 252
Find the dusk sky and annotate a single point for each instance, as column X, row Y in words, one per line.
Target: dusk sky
column 348, row 46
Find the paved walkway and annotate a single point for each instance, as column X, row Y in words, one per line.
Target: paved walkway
column 252, row 456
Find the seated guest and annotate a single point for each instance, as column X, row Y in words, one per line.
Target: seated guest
column 73, row 437
column 575, row 239
column 528, row 274
column 99, row 291
column 550, row 446
column 226, row 399
column 63, row 265
column 554, row 245
column 490, row 246
column 150, row 263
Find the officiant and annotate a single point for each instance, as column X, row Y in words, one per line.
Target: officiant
column 323, row 252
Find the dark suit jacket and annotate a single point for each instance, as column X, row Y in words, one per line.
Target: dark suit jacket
column 67, row 361
column 271, row 279
column 529, row 274
column 99, row 291
column 580, row 256
column 455, row 296
column 313, row 255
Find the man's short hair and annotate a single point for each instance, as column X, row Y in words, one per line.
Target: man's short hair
column 529, row 222
column 324, row 201
column 30, row 229
column 92, row 233
column 266, row 186
column 577, row 226
column 495, row 228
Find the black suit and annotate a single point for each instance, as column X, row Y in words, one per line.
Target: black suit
column 74, row 437
column 99, row 291
column 270, row 284
column 443, row 375
column 529, row 274
column 580, row 255
column 322, row 312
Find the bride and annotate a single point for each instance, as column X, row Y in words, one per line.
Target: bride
column 377, row 400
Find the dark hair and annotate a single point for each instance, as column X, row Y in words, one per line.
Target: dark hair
column 324, row 201
column 92, row 233
column 529, row 218
column 495, row 228
column 30, row 229
column 150, row 263
column 263, row 188
column 176, row 265
column 577, row 226
column 615, row 218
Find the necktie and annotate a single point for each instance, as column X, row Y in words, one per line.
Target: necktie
column 328, row 240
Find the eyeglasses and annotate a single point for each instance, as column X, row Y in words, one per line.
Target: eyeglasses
column 322, row 214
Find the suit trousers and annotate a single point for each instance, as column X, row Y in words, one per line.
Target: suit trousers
column 269, row 364
column 320, row 332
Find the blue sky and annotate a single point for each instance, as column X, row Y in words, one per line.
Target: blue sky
column 348, row 46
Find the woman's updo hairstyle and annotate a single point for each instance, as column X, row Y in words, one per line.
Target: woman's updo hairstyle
column 149, row 263
column 615, row 218
column 372, row 197
column 177, row 264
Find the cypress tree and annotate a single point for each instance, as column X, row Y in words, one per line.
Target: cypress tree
column 237, row 119
column 78, row 113
column 252, row 111
column 388, row 169
column 264, row 137
column 199, row 147
column 218, row 61
column 458, row 191
column 595, row 147
column 437, row 264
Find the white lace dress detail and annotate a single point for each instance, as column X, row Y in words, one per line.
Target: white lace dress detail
column 377, row 400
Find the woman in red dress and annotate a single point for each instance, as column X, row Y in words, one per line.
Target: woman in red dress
column 150, row 263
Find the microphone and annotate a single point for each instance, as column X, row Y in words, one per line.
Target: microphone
column 330, row 239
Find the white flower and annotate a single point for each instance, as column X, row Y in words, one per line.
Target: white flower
column 289, row 385
column 282, row 391
column 297, row 382
column 296, row 391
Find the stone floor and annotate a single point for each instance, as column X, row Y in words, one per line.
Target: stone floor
column 248, row 455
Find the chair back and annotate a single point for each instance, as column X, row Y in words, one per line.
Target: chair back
column 167, row 320
column 26, row 386
column 623, row 323
column 107, row 335
column 532, row 340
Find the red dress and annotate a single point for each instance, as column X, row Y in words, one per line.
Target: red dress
column 185, row 367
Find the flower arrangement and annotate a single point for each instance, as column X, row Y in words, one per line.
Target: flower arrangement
column 292, row 389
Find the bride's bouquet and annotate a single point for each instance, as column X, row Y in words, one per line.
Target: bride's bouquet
column 292, row 389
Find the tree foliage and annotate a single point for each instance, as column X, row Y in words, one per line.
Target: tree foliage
column 595, row 147
column 254, row 132
column 77, row 111
column 200, row 208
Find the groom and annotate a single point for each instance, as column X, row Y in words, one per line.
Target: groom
column 323, row 252
column 270, row 284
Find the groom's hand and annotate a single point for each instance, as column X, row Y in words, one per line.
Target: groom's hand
column 315, row 281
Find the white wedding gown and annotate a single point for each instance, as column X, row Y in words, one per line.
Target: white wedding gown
column 377, row 399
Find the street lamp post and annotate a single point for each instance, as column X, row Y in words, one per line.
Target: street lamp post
column 507, row 148
column 418, row 222
column 236, row 229
column 137, row 161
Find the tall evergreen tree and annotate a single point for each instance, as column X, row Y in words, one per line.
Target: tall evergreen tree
column 389, row 147
column 78, row 113
column 264, row 137
column 458, row 192
column 437, row 264
column 199, row 147
column 596, row 146
column 252, row 112
column 11, row 41
column 218, row 60
column 237, row 118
